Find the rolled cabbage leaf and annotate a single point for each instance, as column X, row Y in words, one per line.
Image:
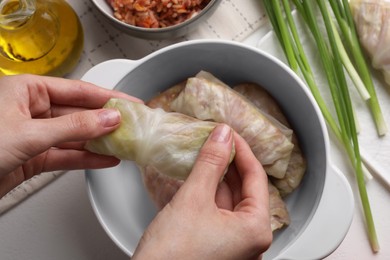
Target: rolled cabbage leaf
column 161, row 188
column 278, row 210
column 297, row 165
column 167, row 142
column 207, row 98
column 165, row 98
column 372, row 19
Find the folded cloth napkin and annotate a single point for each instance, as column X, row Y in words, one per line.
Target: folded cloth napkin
column 233, row 20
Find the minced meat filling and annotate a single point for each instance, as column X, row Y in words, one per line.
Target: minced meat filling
column 156, row 13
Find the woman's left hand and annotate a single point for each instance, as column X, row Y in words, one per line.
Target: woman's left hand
column 45, row 123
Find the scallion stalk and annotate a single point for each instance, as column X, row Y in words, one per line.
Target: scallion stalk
column 301, row 59
column 285, row 36
column 343, row 15
column 332, row 61
column 354, row 75
column 348, row 117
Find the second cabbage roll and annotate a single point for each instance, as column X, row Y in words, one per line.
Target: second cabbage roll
column 297, row 164
column 162, row 188
column 167, row 142
column 207, row 98
column 164, row 99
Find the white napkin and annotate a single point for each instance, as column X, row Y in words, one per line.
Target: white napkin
column 233, row 20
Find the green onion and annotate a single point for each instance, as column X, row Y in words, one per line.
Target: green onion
column 334, row 60
column 301, row 59
column 349, row 119
column 354, row 75
column 343, row 15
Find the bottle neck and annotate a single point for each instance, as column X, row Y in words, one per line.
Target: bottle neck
column 14, row 13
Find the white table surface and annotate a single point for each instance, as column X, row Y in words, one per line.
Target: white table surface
column 58, row 222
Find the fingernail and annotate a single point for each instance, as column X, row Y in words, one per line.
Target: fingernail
column 221, row 133
column 109, row 117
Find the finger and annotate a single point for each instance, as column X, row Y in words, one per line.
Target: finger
column 233, row 180
column 72, row 145
column 211, row 163
column 42, row 134
column 58, row 159
column 224, row 197
column 38, row 93
column 254, row 180
column 77, row 92
column 59, row 110
column 10, row 181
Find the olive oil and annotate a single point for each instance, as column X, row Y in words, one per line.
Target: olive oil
column 41, row 37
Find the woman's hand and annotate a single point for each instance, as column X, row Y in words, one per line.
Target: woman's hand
column 209, row 219
column 45, row 123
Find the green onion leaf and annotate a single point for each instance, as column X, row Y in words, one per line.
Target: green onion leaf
column 334, row 59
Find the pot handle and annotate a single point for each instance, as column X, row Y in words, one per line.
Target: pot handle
column 331, row 221
column 118, row 68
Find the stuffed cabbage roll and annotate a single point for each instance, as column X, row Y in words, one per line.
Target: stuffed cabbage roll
column 372, row 19
column 164, row 99
column 207, row 98
column 167, row 142
column 266, row 103
column 162, row 188
column 277, row 207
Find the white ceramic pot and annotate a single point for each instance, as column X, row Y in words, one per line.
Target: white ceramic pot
column 321, row 209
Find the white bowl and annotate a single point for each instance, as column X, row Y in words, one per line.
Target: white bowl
column 321, row 209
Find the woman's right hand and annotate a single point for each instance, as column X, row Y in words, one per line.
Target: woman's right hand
column 209, row 219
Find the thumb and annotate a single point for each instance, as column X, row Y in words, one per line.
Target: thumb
column 78, row 126
column 211, row 164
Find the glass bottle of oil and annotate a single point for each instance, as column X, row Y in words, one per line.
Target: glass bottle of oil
column 41, row 37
